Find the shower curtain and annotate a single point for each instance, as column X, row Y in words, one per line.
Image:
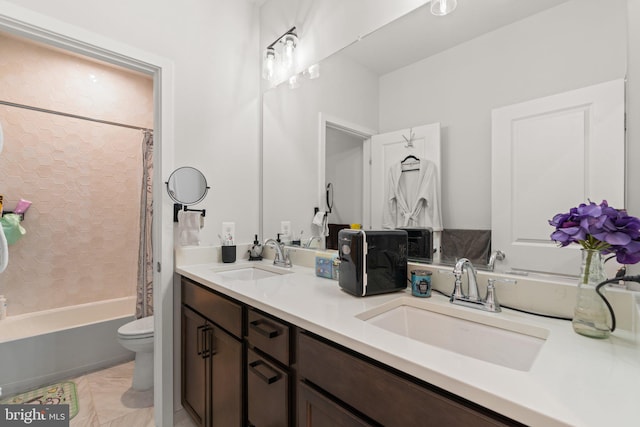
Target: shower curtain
column 144, row 304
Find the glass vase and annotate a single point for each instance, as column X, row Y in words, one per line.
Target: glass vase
column 590, row 314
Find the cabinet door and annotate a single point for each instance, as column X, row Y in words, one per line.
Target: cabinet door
column 267, row 393
column 195, row 366
column 315, row 410
column 226, row 378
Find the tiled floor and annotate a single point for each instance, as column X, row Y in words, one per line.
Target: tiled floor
column 106, row 399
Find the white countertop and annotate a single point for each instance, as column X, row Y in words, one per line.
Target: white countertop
column 575, row 380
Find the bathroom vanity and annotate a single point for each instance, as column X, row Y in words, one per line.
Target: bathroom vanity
column 284, row 364
column 300, row 351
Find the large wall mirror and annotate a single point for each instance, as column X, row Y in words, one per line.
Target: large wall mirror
column 420, row 70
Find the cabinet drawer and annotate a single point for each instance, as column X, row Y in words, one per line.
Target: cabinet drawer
column 316, row 410
column 220, row 310
column 269, row 335
column 383, row 396
column 267, row 393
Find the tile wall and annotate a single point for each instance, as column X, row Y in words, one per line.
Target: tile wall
column 84, row 178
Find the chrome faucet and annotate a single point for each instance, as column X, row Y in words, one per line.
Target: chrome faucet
column 458, row 271
column 495, row 255
column 281, row 258
column 310, row 241
column 473, row 300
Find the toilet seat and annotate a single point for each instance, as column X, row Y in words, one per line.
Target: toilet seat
column 137, row 329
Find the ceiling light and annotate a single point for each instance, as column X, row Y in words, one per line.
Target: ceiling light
column 443, row 7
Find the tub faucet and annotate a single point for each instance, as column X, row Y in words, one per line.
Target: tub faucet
column 282, row 256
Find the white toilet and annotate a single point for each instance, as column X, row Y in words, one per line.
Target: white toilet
column 137, row 336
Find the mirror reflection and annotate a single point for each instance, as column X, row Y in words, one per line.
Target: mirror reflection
column 422, row 70
column 187, row 186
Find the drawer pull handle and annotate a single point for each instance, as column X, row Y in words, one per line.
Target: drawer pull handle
column 199, row 339
column 210, row 342
column 271, row 375
column 272, row 332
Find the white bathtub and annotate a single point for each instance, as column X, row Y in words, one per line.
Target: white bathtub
column 47, row 346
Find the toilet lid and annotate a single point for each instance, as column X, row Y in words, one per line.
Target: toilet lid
column 138, row 328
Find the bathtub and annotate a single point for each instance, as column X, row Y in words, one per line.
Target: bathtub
column 44, row 347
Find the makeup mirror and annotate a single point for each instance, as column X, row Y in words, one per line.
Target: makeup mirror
column 187, row 186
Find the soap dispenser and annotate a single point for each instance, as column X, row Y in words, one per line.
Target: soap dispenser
column 255, row 252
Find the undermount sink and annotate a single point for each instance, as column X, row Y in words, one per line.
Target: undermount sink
column 490, row 338
column 249, row 272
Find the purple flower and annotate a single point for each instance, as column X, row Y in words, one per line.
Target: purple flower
column 600, row 227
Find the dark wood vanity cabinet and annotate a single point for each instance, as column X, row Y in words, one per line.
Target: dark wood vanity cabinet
column 244, row 367
column 270, row 375
column 212, row 356
column 342, row 387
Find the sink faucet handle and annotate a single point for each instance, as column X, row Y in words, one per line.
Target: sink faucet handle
column 457, row 293
column 491, row 300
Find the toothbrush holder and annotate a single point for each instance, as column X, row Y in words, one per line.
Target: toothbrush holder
column 229, row 253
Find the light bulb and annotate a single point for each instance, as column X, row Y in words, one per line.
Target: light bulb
column 269, row 64
column 294, row 82
column 287, row 51
column 443, row 7
column 313, row 72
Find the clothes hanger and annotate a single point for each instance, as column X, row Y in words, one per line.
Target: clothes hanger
column 413, row 165
column 410, row 156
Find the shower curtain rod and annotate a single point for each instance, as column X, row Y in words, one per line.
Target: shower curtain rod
column 74, row 116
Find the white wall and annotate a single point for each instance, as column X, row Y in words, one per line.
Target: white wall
column 459, row 87
column 216, row 88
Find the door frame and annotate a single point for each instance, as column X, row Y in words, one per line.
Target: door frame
column 41, row 28
column 327, row 120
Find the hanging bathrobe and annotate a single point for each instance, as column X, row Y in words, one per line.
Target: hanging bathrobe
column 412, row 198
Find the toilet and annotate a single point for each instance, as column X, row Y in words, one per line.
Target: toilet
column 137, row 336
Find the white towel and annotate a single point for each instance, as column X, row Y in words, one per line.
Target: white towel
column 189, row 228
column 321, row 219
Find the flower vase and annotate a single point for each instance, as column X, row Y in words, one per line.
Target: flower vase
column 590, row 314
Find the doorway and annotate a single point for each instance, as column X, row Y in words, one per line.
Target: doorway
column 23, row 23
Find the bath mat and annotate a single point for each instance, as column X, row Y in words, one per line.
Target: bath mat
column 60, row 393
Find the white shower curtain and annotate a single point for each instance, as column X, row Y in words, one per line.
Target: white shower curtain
column 144, row 304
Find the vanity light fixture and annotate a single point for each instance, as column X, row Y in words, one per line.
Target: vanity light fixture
column 286, row 44
column 443, row 7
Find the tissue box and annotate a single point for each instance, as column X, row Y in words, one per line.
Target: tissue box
column 326, row 266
